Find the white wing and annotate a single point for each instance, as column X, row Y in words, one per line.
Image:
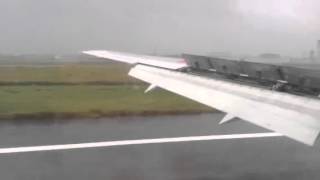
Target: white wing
column 294, row 116
column 164, row 62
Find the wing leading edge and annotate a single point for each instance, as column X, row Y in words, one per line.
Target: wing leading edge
column 291, row 115
column 164, row 62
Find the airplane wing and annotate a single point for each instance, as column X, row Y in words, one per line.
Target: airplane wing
column 297, row 117
column 163, row 62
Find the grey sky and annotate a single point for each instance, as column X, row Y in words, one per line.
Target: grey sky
column 162, row 26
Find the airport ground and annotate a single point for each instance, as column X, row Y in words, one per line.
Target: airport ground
column 269, row 158
column 94, row 101
column 72, row 73
column 31, row 94
column 80, row 91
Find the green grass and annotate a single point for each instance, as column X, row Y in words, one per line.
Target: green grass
column 72, row 73
column 91, row 100
column 21, row 99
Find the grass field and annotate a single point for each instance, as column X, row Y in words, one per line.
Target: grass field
column 90, row 101
column 69, row 73
column 110, row 92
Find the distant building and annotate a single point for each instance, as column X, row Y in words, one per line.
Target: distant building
column 270, row 56
column 312, row 58
column 318, row 49
column 311, row 55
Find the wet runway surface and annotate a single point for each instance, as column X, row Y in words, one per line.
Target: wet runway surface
column 262, row 158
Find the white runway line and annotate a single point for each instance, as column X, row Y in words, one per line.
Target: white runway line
column 133, row 142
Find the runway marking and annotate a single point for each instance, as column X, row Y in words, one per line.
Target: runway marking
column 133, row 142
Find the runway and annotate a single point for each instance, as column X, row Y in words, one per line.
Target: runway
column 171, row 158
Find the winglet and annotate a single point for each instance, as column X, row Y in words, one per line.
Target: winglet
column 150, row 88
column 227, row 118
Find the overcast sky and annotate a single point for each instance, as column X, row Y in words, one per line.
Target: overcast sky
column 162, row 26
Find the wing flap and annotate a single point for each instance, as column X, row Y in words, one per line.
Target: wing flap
column 294, row 116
